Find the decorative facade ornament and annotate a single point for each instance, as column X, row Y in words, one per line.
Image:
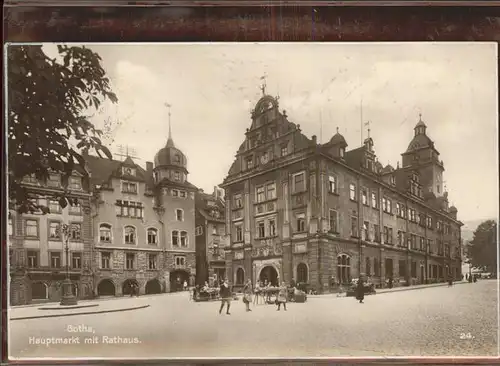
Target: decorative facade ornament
column 267, row 249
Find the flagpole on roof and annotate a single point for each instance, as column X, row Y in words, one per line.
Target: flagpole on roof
column 361, row 116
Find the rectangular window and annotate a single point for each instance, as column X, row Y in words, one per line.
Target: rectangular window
column 237, row 201
column 390, row 233
column 260, row 194
column 403, row 211
column 105, row 260
column 54, row 230
column 239, row 233
column 249, row 163
column 272, row 228
column 11, row 227
column 31, row 228
column 401, row 238
column 32, row 258
column 364, row 197
column 152, row 236
column 366, row 235
column 429, row 222
column 55, row 259
column 384, row 204
column 386, row 235
column 180, row 261
column 129, row 260
column 271, row 191
column 413, row 241
column 284, row 150
column 75, row 183
column 398, row 209
column 179, row 215
column 261, row 232
column 75, row 209
column 152, row 261
column 54, row 180
column 332, row 184
column 129, row 187
column 389, row 206
column 376, row 231
column 75, row 231
column 429, row 246
column 422, row 244
column 374, row 200
column 402, row 268
column 299, row 183
column 76, row 260
column 352, row 192
column 334, row 221
column 184, row 239
column 182, row 194
column 300, row 222
column 198, row 231
column 175, row 193
column 354, row 227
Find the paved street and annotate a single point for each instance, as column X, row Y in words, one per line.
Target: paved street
column 426, row 322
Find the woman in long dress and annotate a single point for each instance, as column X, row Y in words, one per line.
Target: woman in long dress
column 360, row 291
column 247, row 294
column 282, row 296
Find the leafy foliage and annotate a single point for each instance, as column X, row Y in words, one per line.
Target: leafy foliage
column 483, row 247
column 48, row 124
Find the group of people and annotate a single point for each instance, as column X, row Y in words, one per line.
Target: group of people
column 248, row 291
column 471, row 278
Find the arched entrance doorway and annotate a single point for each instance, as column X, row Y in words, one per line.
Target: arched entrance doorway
column 270, row 274
column 153, row 287
column 177, row 279
column 127, row 286
column 39, row 291
column 106, row 288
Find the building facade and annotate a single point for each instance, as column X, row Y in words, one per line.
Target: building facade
column 129, row 226
column 211, row 238
column 37, row 256
column 143, row 224
column 319, row 214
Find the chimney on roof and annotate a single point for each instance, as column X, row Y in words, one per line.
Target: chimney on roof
column 149, row 166
column 315, row 140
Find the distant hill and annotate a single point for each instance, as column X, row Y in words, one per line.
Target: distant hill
column 469, row 228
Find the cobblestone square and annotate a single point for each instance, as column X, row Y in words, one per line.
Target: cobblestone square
column 439, row 321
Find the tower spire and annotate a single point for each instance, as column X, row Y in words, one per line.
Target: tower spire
column 170, row 141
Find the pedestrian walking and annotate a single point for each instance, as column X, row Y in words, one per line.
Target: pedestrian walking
column 247, row 294
column 360, row 291
column 225, row 296
column 282, row 296
column 390, row 282
column 185, row 285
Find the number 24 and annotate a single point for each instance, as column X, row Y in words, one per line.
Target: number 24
column 466, row 336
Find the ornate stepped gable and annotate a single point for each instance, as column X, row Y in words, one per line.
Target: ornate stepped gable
column 270, row 137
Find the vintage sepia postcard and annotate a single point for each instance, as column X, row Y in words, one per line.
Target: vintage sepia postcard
column 230, row 200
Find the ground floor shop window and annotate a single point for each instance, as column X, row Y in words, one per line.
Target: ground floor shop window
column 344, row 269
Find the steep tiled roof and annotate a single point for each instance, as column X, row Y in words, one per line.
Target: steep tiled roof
column 185, row 184
column 204, row 209
column 337, row 139
column 102, row 169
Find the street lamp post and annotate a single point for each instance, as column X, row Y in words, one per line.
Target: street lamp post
column 67, row 286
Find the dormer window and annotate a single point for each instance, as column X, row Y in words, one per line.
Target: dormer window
column 342, row 152
column 393, row 180
column 177, row 158
column 128, row 171
column 75, row 183
column 284, row 150
column 177, row 176
column 369, row 165
column 250, row 162
column 156, row 176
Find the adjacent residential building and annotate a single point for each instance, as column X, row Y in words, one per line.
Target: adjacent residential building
column 37, row 256
column 319, row 214
column 144, row 222
column 129, row 226
column 211, row 237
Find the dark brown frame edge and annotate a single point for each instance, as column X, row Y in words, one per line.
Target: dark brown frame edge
column 250, row 24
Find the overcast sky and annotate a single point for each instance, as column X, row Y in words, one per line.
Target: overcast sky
column 213, row 87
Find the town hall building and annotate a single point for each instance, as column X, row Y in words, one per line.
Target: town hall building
column 320, row 214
